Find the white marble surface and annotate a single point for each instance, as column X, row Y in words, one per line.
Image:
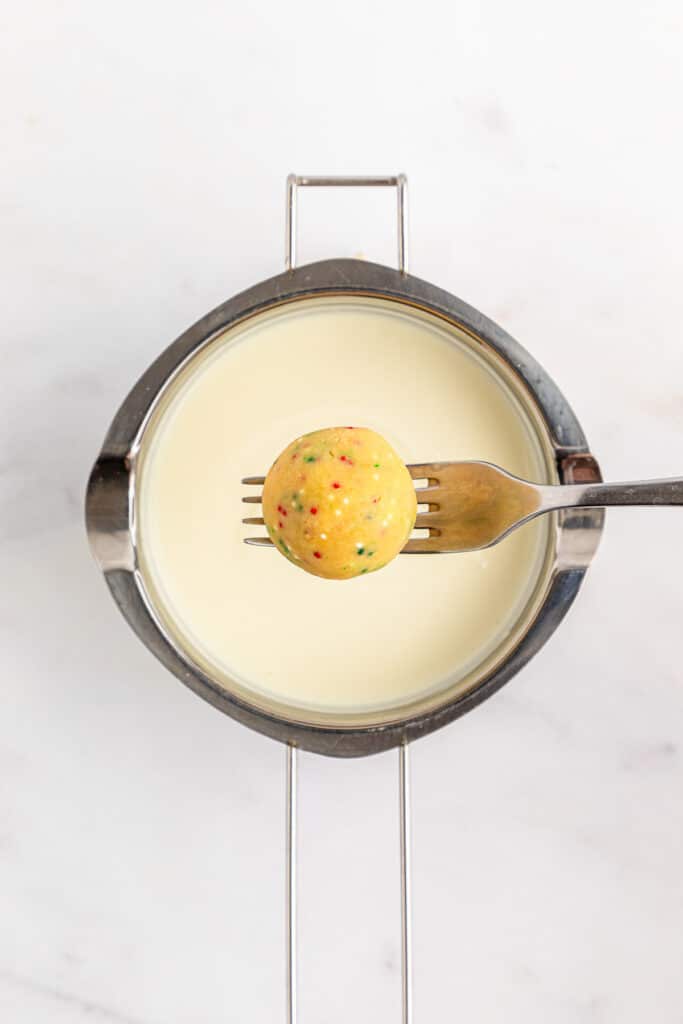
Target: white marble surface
column 145, row 147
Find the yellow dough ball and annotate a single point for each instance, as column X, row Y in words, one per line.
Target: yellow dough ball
column 339, row 502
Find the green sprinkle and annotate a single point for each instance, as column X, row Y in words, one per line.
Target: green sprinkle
column 284, row 546
column 310, row 458
column 360, row 549
column 376, row 465
column 370, row 554
column 362, row 571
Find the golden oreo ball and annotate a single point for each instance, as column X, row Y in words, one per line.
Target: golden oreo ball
column 339, row 502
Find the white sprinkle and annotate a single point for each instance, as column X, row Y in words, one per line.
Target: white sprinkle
column 385, row 523
column 337, row 512
column 323, row 536
column 375, row 476
column 330, row 497
column 293, row 504
column 346, row 501
column 359, row 544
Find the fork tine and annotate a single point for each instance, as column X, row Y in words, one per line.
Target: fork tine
column 252, row 499
column 254, row 521
column 423, row 470
column 253, row 480
column 423, row 546
column 434, row 517
column 259, row 542
column 420, row 521
column 425, row 493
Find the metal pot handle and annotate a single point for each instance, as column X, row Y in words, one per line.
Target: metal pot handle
column 400, row 183
column 397, row 181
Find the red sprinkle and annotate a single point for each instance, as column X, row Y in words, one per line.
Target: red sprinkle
column 336, row 485
column 282, row 511
column 316, row 554
column 344, row 458
column 280, row 525
column 314, row 511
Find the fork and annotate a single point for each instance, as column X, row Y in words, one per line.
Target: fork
column 474, row 505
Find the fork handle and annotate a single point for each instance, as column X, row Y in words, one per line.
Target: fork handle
column 640, row 492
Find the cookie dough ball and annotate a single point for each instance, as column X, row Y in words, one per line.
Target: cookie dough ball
column 339, row 502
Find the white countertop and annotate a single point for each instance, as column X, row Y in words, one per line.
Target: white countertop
column 141, row 832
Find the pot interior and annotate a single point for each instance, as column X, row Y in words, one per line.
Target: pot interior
column 378, row 648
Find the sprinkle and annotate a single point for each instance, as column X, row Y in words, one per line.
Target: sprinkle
column 362, row 571
column 375, row 500
column 360, row 548
column 314, row 511
column 338, row 485
column 370, row 554
column 376, row 465
column 337, row 511
column 346, row 501
column 345, row 458
column 310, row 458
column 280, row 526
column 375, row 476
column 316, row 554
column 323, row 536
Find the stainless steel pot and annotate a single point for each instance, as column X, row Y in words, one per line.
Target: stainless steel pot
column 110, row 505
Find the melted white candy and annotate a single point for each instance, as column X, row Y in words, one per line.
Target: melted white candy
column 374, row 641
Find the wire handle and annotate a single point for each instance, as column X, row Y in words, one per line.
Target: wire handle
column 397, row 181
column 290, row 885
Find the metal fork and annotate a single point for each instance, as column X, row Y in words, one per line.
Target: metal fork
column 466, row 506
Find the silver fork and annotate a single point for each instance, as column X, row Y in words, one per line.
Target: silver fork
column 473, row 505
